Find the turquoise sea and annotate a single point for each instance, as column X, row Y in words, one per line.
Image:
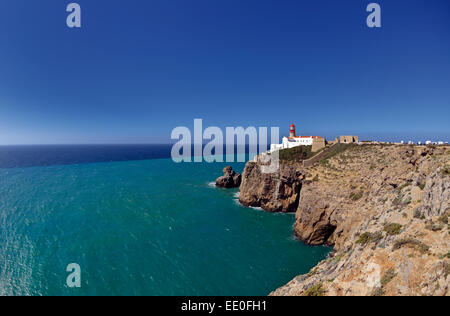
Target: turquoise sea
column 141, row 227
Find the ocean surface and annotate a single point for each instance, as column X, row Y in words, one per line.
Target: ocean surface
column 137, row 224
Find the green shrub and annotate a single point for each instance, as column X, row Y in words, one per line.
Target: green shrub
column 410, row 242
column 367, row 238
column 364, row 239
column 393, row 229
column 355, row 196
column 388, row 276
column 376, row 237
column 315, row 290
column 296, row 154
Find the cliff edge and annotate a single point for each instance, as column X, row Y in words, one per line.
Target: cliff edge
column 383, row 208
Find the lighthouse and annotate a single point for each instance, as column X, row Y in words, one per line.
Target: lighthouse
column 292, row 131
column 293, row 140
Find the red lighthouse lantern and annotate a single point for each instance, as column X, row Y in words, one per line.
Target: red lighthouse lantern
column 292, row 131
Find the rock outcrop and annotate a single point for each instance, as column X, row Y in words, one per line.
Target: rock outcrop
column 436, row 195
column 230, row 179
column 278, row 192
column 384, row 209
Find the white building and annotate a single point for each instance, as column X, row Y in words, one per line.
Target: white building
column 294, row 141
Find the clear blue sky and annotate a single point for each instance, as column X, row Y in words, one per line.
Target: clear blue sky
column 137, row 69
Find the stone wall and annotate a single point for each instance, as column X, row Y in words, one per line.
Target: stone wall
column 349, row 139
column 318, row 144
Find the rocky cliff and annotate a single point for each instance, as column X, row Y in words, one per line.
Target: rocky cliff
column 278, row 192
column 230, row 179
column 384, row 209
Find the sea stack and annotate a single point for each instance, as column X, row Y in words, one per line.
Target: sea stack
column 230, row 179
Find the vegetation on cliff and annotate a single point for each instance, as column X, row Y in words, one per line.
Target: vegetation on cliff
column 334, row 151
column 315, row 290
column 296, row 154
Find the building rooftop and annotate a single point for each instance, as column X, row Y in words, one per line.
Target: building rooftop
column 317, row 137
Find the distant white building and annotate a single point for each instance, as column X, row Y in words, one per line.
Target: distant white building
column 294, row 141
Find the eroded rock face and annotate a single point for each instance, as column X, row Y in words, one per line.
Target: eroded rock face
column 277, row 192
column 230, row 179
column 436, row 195
column 315, row 218
column 384, row 209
